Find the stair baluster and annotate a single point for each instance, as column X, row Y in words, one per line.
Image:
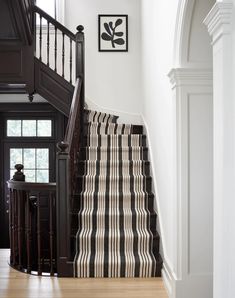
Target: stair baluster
column 40, row 39
column 63, row 54
column 48, row 43
column 64, row 42
column 70, row 61
column 55, row 50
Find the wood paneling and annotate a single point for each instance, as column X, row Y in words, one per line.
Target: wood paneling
column 56, row 90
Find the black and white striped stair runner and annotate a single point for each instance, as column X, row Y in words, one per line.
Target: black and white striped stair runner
column 117, row 234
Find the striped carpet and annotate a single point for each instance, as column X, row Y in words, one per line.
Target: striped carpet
column 117, row 234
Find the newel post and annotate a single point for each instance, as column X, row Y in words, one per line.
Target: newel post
column 62, row 209
column 19, row 175
column 80, row 69
column 80, row 52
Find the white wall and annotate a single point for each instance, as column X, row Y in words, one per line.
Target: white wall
column 113, row 80
column 158, row 26
column 180, row 136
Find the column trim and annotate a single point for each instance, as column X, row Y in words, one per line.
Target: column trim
column 219, row 20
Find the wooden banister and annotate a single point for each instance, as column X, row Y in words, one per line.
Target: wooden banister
column 66, row 179
column 55, row 23
column 32, row 229
column 20, row 185
column 73, row 116
column 67, row 167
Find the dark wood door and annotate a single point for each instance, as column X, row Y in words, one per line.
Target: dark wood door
column 33, row 151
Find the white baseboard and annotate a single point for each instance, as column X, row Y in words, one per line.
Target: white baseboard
column 168, row 281
column 154, row 185
column 124, row 117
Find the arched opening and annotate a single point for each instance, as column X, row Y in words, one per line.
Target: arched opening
column 193, row 88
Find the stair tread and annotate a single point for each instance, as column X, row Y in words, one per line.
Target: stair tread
column 115, row 177
column 105, row 162
column 99, row 117
column 121, row 136
column 111, row 232
column 124, row 194
column 112, row 128
column 126, row 212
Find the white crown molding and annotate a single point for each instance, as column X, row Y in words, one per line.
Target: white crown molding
column 219, row 19
column 191, row 77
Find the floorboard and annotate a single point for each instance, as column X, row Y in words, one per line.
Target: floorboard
column 14, row 284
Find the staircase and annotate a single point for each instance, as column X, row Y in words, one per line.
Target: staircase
column 116, row 234
column 105, row 219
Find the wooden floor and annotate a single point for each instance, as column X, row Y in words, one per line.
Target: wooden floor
column 14, row 284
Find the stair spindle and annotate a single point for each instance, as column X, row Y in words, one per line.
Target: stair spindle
column 14, row 218
column 51, row 232
column 40, row 39
column 55, row 49
column 71, row 61
column 19, row 228
column 28, row 233
column 10, row 224
column 39, row 234
column 48, row 43
column 63, row 54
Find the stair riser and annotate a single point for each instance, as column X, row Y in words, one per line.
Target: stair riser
column 93, row 116
column 100, row 128
column 98, row 168
column 95, row 154
column 151, row 219
column 115, row 141
column 145, row 181
column 148, row 200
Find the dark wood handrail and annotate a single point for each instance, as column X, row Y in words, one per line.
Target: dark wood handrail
column 55, row 23
column 73, row 116
column 20, row 185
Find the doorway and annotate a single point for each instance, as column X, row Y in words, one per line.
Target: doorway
column 29, row 134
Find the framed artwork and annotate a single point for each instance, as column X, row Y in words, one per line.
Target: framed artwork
column 113, row 33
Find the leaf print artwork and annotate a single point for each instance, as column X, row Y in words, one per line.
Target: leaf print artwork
column 112, row 35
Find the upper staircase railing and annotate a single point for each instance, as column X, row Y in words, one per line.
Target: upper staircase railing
column 58, row 47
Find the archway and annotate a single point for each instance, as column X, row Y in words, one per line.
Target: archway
column 192, row 80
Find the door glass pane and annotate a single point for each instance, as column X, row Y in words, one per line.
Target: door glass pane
column 30, row 175
column 12, row 173
column 35, row 161
column 14, row 128
column 44, row 128
column 29, row 128
column 29, row 158
column 15, row 157
column 42, row 158
column 43, row 176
